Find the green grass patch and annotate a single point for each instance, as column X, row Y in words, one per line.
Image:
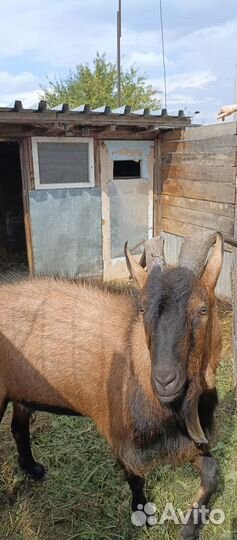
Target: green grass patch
column 84, row 496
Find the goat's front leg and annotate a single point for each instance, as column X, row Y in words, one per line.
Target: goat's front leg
column 136, row 484
column 208, row 470
column 21, row 433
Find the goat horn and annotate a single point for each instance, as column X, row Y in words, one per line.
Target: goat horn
column 137, row 272
column 194, row 250
column 193, row 425
column 154, row 250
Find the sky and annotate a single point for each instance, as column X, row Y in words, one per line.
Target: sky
column 41, row 38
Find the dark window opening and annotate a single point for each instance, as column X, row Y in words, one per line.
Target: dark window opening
column 13, row 255
column 63, row 163
column 127, row 169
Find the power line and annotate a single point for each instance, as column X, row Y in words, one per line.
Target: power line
column 163, row 52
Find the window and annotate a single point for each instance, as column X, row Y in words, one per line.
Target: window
column 127, row 168
column 61, row 162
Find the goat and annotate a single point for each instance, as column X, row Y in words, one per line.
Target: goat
column 142, row 365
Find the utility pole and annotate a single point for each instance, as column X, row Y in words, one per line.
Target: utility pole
column 119, row 33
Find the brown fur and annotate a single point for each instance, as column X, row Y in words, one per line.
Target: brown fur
column 84, row 348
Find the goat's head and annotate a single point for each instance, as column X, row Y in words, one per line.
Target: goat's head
column 179, row 320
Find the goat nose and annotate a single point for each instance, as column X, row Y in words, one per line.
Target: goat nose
column 166, row 377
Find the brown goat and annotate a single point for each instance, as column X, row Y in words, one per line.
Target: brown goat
column 142, row 366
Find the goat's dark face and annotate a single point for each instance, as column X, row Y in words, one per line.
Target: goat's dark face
column 177, row 307
column 176, row 314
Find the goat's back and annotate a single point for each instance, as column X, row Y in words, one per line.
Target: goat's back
column 59, row 341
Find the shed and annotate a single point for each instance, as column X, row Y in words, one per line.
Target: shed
column 76, row 183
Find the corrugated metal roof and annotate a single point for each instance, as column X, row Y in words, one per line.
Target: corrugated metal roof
column 85, row 108
column 17, row 119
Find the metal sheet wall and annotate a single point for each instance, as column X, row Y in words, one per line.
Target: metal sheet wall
column 66, row 231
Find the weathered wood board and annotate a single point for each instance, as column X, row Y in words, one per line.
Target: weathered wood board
column 198, row 179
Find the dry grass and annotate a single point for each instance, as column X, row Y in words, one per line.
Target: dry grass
column 84, row 496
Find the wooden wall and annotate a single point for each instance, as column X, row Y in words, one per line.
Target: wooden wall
column 198, row 179
column 197, row 182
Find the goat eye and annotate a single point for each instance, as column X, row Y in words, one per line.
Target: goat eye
column 142, row 309
column 203, row 310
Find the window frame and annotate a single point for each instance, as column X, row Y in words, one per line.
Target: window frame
column 35, row 155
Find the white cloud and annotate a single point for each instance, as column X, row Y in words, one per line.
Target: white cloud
column 144, row 61
column 23, row 86
column 185, row 99
column 43, row 36
column 184, row 81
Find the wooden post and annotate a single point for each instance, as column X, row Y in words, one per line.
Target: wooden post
column 27, row 174
column 234, row 262
column 157, row 188
column 234, row 287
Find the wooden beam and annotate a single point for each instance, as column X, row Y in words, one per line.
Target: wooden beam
column 90, row 119
column 97, row 165
column 125, row 134
column 157, row 189
column 26, row 183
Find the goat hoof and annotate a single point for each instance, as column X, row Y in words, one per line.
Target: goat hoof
column 188, row 533
column 36, row 470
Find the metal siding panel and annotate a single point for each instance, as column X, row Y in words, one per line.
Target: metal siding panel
column 66, row 231
column 128, row 214
column 129, row 198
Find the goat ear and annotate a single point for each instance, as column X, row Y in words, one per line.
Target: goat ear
column 192, row 422
column 213, row 266
column 137, row 272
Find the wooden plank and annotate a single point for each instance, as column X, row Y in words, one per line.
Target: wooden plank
column 157, row 190
column 201, row 219
column 208, row 191
column 178, row 228
column 97, row 164
column 184, row 229
column 201, row 132
column 224, row 157
column 197, row 171
column 123, row 134
column 75, row 118
column 222, row 209
column 25, row 159
column 217, row 144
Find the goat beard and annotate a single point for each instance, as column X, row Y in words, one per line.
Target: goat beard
column 190, row 415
